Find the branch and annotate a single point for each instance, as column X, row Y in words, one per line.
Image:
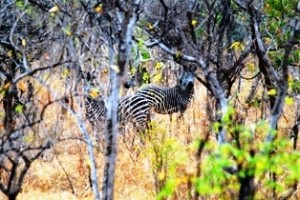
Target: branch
column 283, row 84
column 29, row 73
column 212, row 80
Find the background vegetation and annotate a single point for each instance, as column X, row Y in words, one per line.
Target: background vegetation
column 237, row 140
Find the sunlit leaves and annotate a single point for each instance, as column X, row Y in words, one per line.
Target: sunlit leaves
column 237, row 46
column 194, row 22
column 272, row 92
column 9, row 54
column 251, row 66
column 94, row 93
column 22, row 86
column 294, row 85
column 159, row 65
column 23, row 42
column 145, row 55
column 19, row 108
column 157, row 78
column 116, row 68
column 54, row 9
column 99, row 8
column 67, row 30
column 289, row 101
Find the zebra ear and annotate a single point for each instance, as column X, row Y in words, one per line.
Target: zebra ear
column 180, row 72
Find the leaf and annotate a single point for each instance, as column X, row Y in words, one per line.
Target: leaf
column 159, row 65
column 94, row 93
column 24, row 42
column 19, row 109
column 145, row 76
column 145, row 55
column 289, row 101
column 194, row 22
column 22, row 86
column 99, row 9
column 115, row 68
column 54, row 9
column 251, row 66
column 150, row 27
column 67, row 31
column 161, row 176
column 237, row 46
column 272, row 92
column 157, row 78
column 268, row 41
column 66, row 72
column 88, row 163
column 178, row 55
column 6, row 86
column 9, row 54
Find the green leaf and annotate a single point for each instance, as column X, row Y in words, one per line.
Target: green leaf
column 19, row 108
column 289, row 101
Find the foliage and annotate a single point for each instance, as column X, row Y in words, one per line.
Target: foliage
column 244, row 55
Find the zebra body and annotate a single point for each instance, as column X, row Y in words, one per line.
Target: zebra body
column 168, row 100
column 132, row 109
column 95, row 109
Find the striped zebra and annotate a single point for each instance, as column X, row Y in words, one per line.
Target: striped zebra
column 132, row 109
column 168, row 100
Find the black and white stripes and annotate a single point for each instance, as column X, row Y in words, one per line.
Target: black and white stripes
column 136, row 109
column 168, row 100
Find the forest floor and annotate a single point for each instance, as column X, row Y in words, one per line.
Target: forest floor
column 63, row 171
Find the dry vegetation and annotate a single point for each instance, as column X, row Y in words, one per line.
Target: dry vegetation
column 63, row 171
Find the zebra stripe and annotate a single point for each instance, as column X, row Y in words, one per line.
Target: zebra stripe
column 133, row 109
column 168, row 100
column 95, row 109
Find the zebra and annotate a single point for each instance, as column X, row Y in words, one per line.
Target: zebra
column 95, row 105
column 133, row 109
column 169, row 100
column 95, row 109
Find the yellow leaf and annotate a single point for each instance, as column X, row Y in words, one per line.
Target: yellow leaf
column 194, row 22
column 94, row 93
column 272, row 92
column 251, row 66
column 22, row 86
column 237, row 46
column 9, row 54
column 54, row 9
column 150, row 26
column 6, row 86
column 105, row 71
column 178, row 55
column 115, row 68
column 159, row 65
column 268, row 41
column 289, row 101
column 157, row 78
column 24, row 42
column 161, row 176
column 99, row 9
column 89, row 163
column 66, row 72
column 67, row 31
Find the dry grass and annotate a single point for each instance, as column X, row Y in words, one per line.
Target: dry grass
column 63, row 172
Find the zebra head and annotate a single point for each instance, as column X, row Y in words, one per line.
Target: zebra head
column 186, row 81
